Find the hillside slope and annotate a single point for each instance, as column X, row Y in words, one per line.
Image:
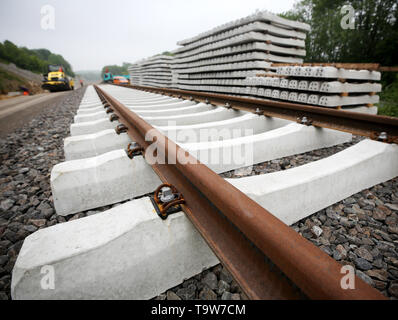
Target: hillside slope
column 12, row 77
column 35, row 60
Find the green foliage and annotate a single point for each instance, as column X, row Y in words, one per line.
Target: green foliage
column 388, row 105
column 42, row 54
column 374, row 39
column 58, row 59
column 35, row 60
column 117, row 70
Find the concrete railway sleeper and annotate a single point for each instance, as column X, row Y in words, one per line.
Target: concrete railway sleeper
column 381, row 128
column 222, row 220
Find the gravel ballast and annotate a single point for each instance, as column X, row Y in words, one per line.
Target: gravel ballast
column 26, row 158
column 360, row 231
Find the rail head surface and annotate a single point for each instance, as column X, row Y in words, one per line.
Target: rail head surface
column 382, row 128
column 267, row 258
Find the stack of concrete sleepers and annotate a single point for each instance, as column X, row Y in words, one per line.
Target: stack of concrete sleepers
column 219, row 60
column 326, row 86
column 135, row 74
column 154, row 72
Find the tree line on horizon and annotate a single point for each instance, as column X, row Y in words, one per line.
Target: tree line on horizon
column 117, row 70
column 123, row 69
column 35, row 60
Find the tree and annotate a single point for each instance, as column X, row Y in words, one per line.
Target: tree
column 117, row 70
column 58, row 59
column 374, row 38
column 10, row 51
column 35, row 60
column 126, row 65
column 42, row 54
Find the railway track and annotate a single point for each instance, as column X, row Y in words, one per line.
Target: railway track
column 149, row 139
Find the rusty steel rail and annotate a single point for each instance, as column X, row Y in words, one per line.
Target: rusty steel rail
column 380, row 128
column 268, row 259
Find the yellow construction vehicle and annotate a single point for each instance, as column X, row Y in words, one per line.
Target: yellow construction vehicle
column 57, row 80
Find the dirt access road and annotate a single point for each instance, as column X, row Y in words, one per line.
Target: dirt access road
column 15, row 112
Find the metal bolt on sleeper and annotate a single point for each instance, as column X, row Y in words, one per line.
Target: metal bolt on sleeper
column 121, row 128
column 167, row 200
column 383, row 136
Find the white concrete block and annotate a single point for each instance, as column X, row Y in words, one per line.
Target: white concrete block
column 313, row 99
column 334, row 101
column 235, row 48
column 90, row 110
column 284, row 83
column 253, row 26
column 275, row 94
column 127, row 252
column 339, row 87
column 90, row 105
column 237, row 24
column 156, row 100
column 131, row 95
column 85, row 184
column 268, row 81
column 230, row 154
column 90, row 97
column 319, row 184
column 91, row 145
column 293, row 84
column 276, row 82
column 190, row 119
column 167, row 100
column 314, row 86
column 91, row 117
column 198, row 108
column 296, row 71
column 293, row 96
column 247, row 124
column 302, row 98
column 174, row 105
column 329, row 73
column 85, row 146
column 134, row 94
column 90, row 127
column 95, row 100
column 268, row 93
column 303, row 85
column 284, row 95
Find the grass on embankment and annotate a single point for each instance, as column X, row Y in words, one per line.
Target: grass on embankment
column 388, row 105
column 9, row 82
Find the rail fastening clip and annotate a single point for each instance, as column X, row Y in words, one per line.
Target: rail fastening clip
column 167, row 200
column 121, row 128
column 134, row 150
column 113, row 117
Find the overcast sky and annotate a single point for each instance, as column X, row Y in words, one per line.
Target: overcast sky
column 93, row 33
